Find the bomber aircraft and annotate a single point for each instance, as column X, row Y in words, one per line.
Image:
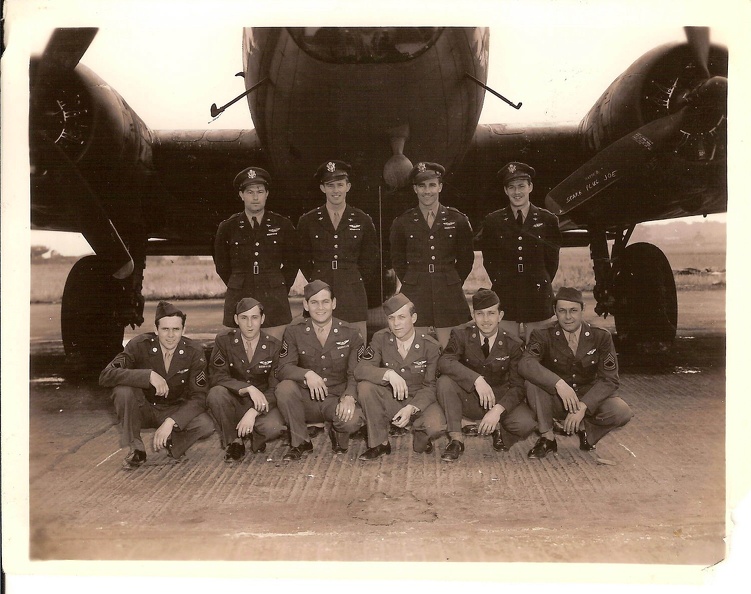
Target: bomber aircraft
column 652, row 147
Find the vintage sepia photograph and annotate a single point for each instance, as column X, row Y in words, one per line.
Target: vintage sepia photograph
column 319, row 291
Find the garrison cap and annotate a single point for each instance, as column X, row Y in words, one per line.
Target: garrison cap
column 164, row 309
column 395, row 303
column 424, row 170
column 569, row 294
column 332, row 170
column 252, row 175
column 315, row 287
column 516, row 170
column 484, row 298
column 246, row 304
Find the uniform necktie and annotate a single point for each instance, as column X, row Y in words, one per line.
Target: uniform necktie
column 430, row 218
column 167, row 359
column 336, row 219
column 321, row 335
column 249, row 352
column 485, row 346
column 254, row 223
column 402, row 348
column 573, row 342
column 519, row 218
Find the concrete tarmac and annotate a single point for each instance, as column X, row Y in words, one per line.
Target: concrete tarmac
column 654, row 493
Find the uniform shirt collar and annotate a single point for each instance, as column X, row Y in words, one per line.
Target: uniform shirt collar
column 524, row 210
column 434, row 209
column 407, row 343
column 577, row 333
column 258, row 217
column 491, row 339
column 253, row 343
column 326, row 328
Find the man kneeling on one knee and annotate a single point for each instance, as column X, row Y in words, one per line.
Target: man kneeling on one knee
column 480, row 380
column 242, row 377
column 159, row 380
column 397, row 379
column 572, row 373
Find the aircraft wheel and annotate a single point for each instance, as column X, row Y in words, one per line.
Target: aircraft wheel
column 90, row 325
column 646, row 315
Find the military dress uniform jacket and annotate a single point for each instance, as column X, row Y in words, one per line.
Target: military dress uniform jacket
column 229, row 366
column 259, row 263
column 592, row 372
column 186, row 378
column 419, row 369
column 335, row 361
column 433, row 263
column 463, row 361
column 346, row 258
column 521, row 263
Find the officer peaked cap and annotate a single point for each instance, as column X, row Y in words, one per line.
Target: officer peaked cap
column 424, row 170
column 569, row 294
column 332, row 170
column 315, row 287
column 164, row 309
column 395, row 303
column 484, row 298
column 515, row 170
column 246, row 304
column 252, row 175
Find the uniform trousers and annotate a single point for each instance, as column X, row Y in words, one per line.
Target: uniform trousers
column 228, row 409
column 380, row 406
column 612, row 413
column 457, row 403
column 135, row 412
column 298, row 409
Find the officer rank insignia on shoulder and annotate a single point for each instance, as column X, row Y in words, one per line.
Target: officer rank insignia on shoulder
column 365, row 354
column 285, row 349
column 219, row 360
column 201, row 379
column 609, row 362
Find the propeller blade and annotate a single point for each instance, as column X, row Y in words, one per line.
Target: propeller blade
column 698, row 39
column 64, row 50
column 615, row 162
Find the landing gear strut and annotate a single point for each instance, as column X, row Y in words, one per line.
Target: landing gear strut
column 636, row 285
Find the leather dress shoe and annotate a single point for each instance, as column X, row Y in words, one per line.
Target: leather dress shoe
column 235, row 451
column 421, row 443
column 314, row 431
column 583, row 442
column 375, row 452
column 135, row 459
column 542, row 447
column 453, row 451
column 470, row 430
column 257, row 443
column 295, row 453
column 335, row 442
column 498, row 444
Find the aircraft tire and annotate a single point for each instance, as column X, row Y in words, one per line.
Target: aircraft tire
column 91, row 331
column 646, row 317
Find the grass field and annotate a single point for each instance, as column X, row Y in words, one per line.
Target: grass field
column 195, row 278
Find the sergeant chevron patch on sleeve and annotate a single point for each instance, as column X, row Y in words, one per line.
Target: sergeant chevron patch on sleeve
column 535, row 349
column 609, row 362
column 119, row 361
column 367, row 355
column 201, row 379
column 219, row 360
column 285, row 349
column 360, row 352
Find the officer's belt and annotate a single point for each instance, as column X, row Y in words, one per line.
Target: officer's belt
column 431, row 268
column 335, row 265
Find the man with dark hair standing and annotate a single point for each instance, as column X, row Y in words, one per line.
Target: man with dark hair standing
column 520, row 247
column 159, row 380
column 432, row 254
column 338, row 245
column 480, row 380
column 242, row 372
column 316, row 373
column 397, row 375
column 571, row 370
column 256, row 253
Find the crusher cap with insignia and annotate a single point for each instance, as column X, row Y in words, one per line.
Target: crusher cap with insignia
column 246, row 304
column 516, row 170
column 315, row 287
column 395, row 303
column 251, row 175
column 331, row 170
column 569, row 294
column 484, row 298
column 425, row 170
column 165, row 309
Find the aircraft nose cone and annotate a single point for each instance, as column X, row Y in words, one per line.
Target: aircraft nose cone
column 396, row 171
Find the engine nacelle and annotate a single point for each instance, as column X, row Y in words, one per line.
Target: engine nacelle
column 653, row 87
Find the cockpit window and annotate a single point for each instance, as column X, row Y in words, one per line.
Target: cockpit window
column 365, row 45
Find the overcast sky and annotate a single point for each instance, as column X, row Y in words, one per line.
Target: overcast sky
column 554, row 57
